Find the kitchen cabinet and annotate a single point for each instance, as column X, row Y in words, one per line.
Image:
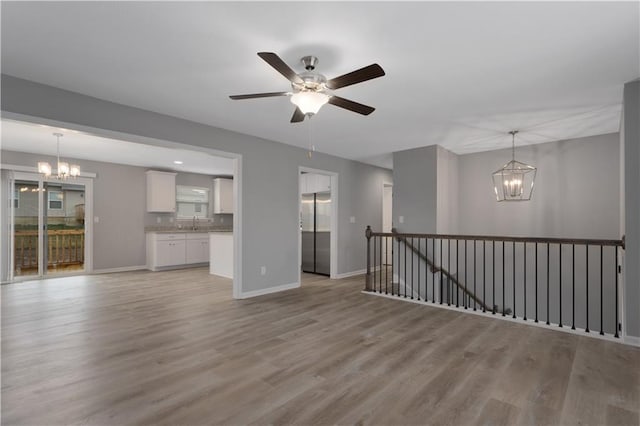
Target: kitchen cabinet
column 222, row 196
column 197, row 248
column 167, row 250
column 312, row 183
column 161, row 192
column 221, row 260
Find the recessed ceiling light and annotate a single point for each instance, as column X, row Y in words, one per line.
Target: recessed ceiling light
column 177, row 162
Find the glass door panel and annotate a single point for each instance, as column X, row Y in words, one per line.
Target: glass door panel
column 25, row 205
column 64, row 218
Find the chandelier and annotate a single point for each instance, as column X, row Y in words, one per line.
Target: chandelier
column 64, row 169
column 514, row 181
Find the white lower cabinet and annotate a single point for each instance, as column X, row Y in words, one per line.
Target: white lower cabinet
column 176, row 249
column 197, row 250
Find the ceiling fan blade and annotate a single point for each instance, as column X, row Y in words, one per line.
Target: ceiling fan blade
column 351, row 105
column 357, row 76
column 298, row 116
column 258, row 95
column 280, row 66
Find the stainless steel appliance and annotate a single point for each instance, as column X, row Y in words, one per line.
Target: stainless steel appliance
column 316, row 232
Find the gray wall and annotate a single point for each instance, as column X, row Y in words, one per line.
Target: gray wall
column 447, row 194
column 631, row 143
column 415, row 177
column 576, row 193
column 120, row 203
column 269, row 177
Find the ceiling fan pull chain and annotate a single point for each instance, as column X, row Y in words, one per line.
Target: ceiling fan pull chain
column 312, row 147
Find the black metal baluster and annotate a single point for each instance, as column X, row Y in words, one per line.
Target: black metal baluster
column 484, row 276
column 386, row 265
column 616, row 272
column 419, row 267
column 405, row 268
column 586, row 255
column 381, row 263
column 493, row 259
column 374, row 263
column 449, row 271
column 433, row 270
column 536, row 274
column 413, row 256
column 548, row 276
column 560, row 283
column 601, row 292
column 457, row 274
column 475, row 278
column 464, row 299
column 573, row 286
column 525, row 279
column 513, row 249
column 441, row 271
column 503, row 262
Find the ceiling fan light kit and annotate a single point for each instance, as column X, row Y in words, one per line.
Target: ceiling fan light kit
column 514, row 181
column 312, row 90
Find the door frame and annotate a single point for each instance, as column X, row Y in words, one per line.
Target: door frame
column 333, row 257
column 25, row 174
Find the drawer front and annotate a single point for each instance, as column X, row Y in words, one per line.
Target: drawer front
column 169, row 237
column 198, row 236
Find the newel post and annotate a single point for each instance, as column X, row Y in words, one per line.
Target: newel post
column 368, row 233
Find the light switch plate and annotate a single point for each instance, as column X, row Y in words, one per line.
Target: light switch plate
column 401, row 219
column 263, row 270
column 352, row 219
column 96, row 219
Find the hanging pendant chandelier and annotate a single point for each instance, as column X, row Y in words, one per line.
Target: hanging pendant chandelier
column 64, row 169
column 514, row 181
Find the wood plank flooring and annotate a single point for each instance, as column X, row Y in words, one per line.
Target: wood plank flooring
column 175, row 348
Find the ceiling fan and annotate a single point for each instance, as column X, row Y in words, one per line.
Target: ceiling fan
column 311, row 89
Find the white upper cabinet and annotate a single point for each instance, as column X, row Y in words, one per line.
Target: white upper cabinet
column 223, row 196
column 310, row 183
column 161, row 192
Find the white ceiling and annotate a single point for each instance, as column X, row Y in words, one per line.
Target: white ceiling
column 39, row 139
column 458, row 74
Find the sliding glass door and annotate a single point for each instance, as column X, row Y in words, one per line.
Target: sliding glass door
column 48, row 226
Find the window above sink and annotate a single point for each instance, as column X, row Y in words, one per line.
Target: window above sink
column 192, row 201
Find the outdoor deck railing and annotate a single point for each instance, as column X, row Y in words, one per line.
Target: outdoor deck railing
column 64, row 247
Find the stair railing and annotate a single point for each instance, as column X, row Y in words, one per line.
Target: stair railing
column 564, row 282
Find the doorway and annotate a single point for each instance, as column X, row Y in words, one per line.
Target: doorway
column 49, row 234
column 318, row 201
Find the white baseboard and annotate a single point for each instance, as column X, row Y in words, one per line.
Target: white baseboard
column 349, row 274
column 631, row 340
column 269, row 290
column 121, row 269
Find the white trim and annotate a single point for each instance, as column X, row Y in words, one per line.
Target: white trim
column 333, row 256
column 349, row 274
column 269, row 290
column 631, row 340
column 121, row 269
column 30, row 169
column 635, row 341
column 237, row 176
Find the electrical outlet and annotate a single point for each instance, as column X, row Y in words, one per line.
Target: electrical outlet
column 401, row 219
column 158, row 219
column 263, row 270
column 352, row 219
column 96, row 219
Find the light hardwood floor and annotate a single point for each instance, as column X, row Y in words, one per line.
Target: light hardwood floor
column 175, row 348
